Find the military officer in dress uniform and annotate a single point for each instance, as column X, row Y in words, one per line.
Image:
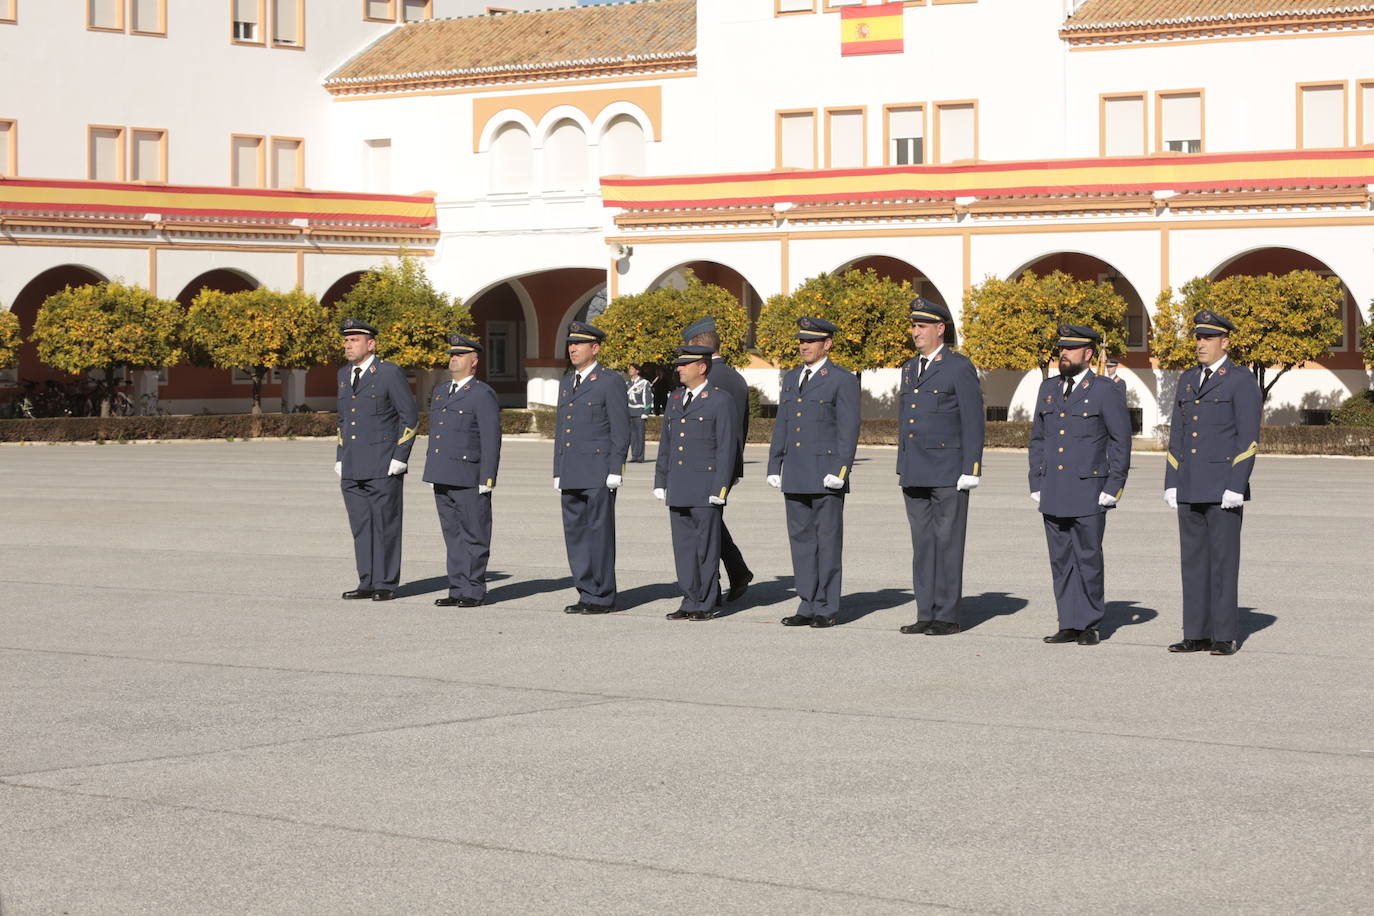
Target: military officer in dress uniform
column 693, row 476
column 1213, row 440
column 464, row 454
column 939, row 460
column 1113, row 377
column 377, row 422
column 812, row 453
column 703, row 333
column 592, row 436
column 1080, row 454
column 641, row 398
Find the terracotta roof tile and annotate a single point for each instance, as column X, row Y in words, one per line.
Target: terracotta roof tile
column 1096, row 14
column 520, row 41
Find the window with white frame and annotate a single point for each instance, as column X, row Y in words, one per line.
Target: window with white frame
column 957, row 131
column 377, row 165
column 1180, row 122
column 622, row 147
column 906, row 135
column 512, row 160
column 500, row 349
column 288, row 23
column 845, row 138
column 1123, row 125
column 797, row 140
column 566, row 157
column 1321, row 116
column 248, row 21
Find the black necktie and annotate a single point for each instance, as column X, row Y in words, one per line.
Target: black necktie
column 806, row 377
column 577, row 380
column 687, row 401
column 452, row 388
column 921, row 371
column 1206, row 374
column 1068, row 386
column 357, row 374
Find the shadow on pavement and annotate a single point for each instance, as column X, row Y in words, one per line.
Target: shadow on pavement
column 529, row 587
column 760, row 594
column 858, row 606
column 1251, row 622
column 1118, row 614
column 975, row 610
column 423, row 587
column 643, row 594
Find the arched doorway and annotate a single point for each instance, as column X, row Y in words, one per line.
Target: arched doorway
column 1311, row 400
column 188, row 387
column 726, row 278
column 30, row 368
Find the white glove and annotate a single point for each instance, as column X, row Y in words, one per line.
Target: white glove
column 1106, row 500
column 1230, row 499
column 483, row 489
column 338, row 469
column 1171, row 497
column 775, row 481
column 556, row 486
column 831, row 482
column 1036, row 496
column 397, row 467
column 660, row 494
column 613, row 481
column 966, row 482
column 715, row 500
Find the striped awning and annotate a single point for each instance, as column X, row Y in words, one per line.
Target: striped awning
column 1052, row 177
column 36, row 196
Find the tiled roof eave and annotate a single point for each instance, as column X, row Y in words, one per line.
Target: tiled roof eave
column 428, row 79
column 1348, row 16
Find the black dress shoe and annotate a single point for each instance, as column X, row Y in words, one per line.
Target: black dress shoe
column 1089, row 637
column 678, row 615
column 1224, row 647
column 1065, row 635
column 445, row 602
column 820, row 621
column 919, row 626
column 701, row 615
column 1191, row 645
column 589, row 608
column 574, row 608
column 942, row 628
column 796, row 620
column 357, row 593
column 737, row 589
column 469, row 602
column 383, row 594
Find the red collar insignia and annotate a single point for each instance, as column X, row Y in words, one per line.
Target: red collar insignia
column 706, row 394
column 1085, row 385
column 939, row 356
column 1221, row 371
column 591, row 378
column 824, row 371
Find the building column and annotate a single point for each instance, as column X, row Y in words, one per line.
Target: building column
column 292, row 389
column 145, row 391
column 541, row 381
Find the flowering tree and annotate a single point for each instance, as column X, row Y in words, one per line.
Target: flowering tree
column 412, row 318
column 870, row 311
column 646, row 327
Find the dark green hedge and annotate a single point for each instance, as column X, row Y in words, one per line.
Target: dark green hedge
column 211, row 426
column 1356, row 410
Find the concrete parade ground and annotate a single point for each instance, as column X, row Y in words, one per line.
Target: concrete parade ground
column 192, row 721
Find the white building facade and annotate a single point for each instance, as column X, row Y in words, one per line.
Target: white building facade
column 1210, row 139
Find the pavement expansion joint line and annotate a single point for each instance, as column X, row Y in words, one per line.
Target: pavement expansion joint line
column 705, row 704
column 310, row 739
column 495, row 847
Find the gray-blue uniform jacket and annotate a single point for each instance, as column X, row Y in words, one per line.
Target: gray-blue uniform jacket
column 817, row 430
column 1213, row 434
column 593, row 431
column 377, row 423
column 728, row 379
column 696, row 451
column 464, row 436
column 1081, row 447
column 940, row 422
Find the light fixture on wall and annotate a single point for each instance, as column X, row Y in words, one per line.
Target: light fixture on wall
column 620, row 251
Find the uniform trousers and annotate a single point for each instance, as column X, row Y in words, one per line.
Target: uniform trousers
column 374, row 515
column 696, row 551
column 589, row 533
column 938, row 518
column 1076, row 565
column 735, row 567
column 815, row 528
column 637, row 438
column 1209, row 547
column 465, row 518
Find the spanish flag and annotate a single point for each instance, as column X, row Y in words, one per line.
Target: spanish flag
column 871, row 29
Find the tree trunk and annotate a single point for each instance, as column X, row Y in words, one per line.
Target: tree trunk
column 255, row 426
column 107, row 396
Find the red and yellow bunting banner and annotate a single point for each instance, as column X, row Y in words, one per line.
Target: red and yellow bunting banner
column 1220, row 172
column 25, row 195
column 871, row 29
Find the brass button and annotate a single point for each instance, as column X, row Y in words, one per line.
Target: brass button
column 911, row 421
column 911, row 435
column 798, row 445
column 918, row 391
column 353, row 423
column 352, row 437
column 679, row 448
column 1194, row 418
column 1061, row 448
column 437, row 436
column 1061, row 467
column 1194, row 434
column 436, row 451
column 1061, row 432
column 353, row 409
column 1061, row 416
column 567, row 445
column 1197, row 402
column 1193, row 450
column 682, row 435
